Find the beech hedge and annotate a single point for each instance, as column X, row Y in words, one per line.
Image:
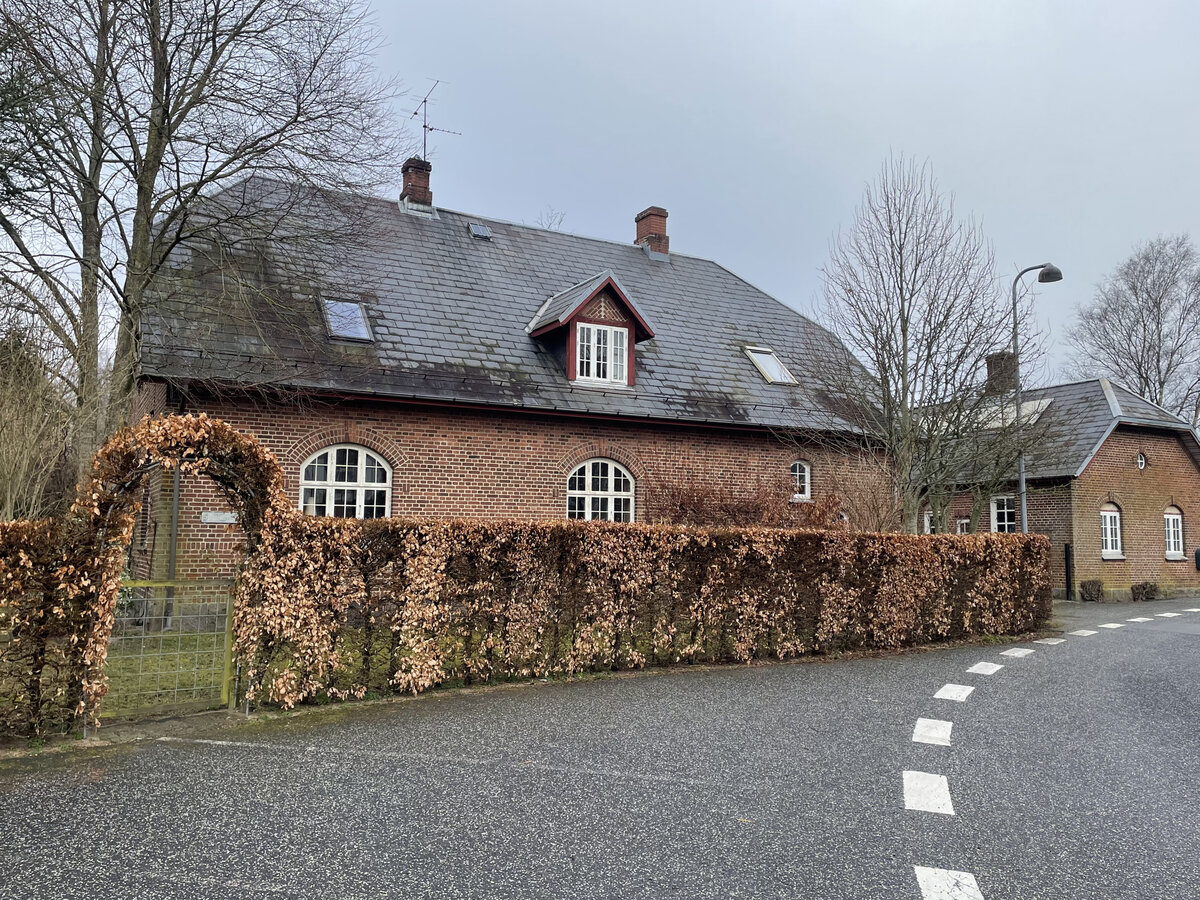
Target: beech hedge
column 339, row 608
column 342, row 608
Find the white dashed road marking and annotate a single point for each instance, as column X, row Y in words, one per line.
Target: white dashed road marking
column 943, row 884
column 1140, row 619
column 1017, row 652
column 1050, row 641
column 1167, row 615
column 1112, row 625
column 932, row 731
column 926, row 792
column 985, row 668
column 958, row 692
column 1083, row 632
column 1192, row 609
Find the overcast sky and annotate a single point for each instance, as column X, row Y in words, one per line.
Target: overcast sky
column 1068, row 128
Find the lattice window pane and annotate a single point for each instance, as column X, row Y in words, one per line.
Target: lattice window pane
column 599, row 476
column 313, row 501
column 618, row 355
column 318, row 469
column 345, row 503
column 600, row 508
column 374, row 471
column 346, row 469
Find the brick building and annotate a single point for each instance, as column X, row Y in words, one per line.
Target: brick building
column 1116, row 488
column 463, row 366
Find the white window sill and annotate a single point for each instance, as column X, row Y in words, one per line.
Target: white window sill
column 1176, row 557
column 1112, row 554
column 801, row 498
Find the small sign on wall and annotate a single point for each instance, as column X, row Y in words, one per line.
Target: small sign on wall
column 216, row 517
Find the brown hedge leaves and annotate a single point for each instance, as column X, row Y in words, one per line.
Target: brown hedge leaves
column 337, row 608
column 59, row 579
column 414, row 604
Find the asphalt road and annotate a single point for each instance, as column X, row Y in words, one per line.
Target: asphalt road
column 1074, row 772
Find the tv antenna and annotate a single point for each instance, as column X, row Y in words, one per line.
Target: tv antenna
column 422, row 110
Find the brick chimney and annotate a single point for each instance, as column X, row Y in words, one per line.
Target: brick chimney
column 652, row 229
column 416, row 181
column 1001, row 373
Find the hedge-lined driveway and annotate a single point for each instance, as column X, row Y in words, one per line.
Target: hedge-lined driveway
column 1073, row 771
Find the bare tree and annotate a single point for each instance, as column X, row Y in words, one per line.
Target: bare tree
column 551, row 219
column 911, row 291
column 1141, row 327
column 157, row 115
column 36, row 469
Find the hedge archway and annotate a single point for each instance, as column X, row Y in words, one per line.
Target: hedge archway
column 59, row 580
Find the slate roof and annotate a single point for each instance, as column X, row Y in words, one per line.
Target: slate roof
column 1083, row 414
column 449, row 313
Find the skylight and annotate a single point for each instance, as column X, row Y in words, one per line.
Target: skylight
column 481, row 231
column 767, row 363
column 347, row 319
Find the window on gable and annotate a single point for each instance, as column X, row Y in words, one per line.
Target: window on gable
column 801, row 481
column 1173, row 525
column 600, row 353
column 346, row 482
column 347, row 320
column 1004, row 514
column 770, row 366
column 600, row 490
column 1110, row 532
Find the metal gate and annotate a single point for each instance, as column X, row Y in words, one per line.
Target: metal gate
column 171, row 648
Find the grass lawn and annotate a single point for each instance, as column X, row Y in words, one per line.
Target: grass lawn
column 163, row 669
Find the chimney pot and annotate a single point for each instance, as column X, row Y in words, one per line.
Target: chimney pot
column 416, row 181
column 1001, row 373
column 652, row 229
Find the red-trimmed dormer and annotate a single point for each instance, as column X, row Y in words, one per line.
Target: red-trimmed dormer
column 600, row 326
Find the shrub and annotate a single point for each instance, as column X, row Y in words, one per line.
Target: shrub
column 337, row 608
column 1145, row 590
column 714, row 505
column 465, row 601
column 1092, row 590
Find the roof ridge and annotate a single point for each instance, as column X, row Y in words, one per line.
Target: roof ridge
column 1157, row 406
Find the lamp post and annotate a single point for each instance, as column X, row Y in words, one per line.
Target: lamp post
column 1048, row 273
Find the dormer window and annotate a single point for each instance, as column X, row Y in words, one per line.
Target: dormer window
column 601, row 353
column 769, row 365
column 346, row 320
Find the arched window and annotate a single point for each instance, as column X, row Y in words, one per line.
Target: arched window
column 1173, row 526
column 602, row 490
column 1110, row 531
column 801, row 481
column 346, row 482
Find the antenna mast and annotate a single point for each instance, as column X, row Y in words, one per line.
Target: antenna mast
column 422, row 110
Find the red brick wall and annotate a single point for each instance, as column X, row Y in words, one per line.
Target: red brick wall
column 1171, row 478
column 484, row 464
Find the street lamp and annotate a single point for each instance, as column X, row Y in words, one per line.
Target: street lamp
column 1048, row 273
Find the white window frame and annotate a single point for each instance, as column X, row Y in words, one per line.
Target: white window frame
column 310, row 482
column 1173, row 532
column 1110, row 532
column 597, row 499
column 331, row 320
column 962, row 526
column 927, row 522
column 1010, row 502
column 608, row 341
column 801, row 469
column 782, row 376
